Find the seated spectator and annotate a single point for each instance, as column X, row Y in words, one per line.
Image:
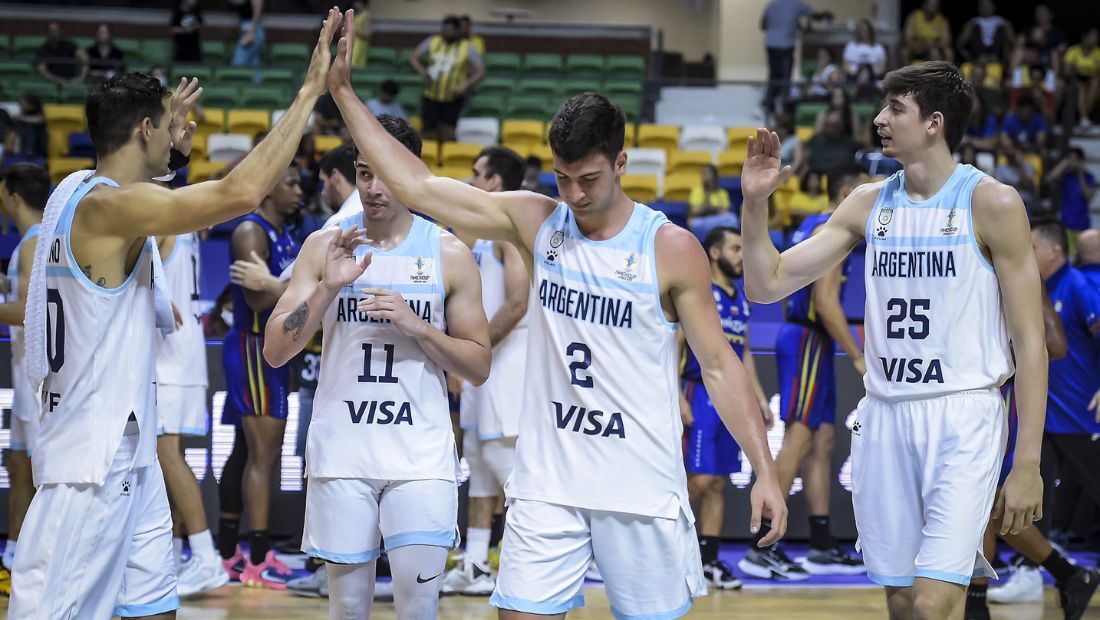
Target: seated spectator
column 104, row 59
column 810, row 199
column 1078, row 187
column 984, row 130
column 831, row 151
column 790, row 145
column 826, row 74
column 1014, row 171
column 59, row 60
column 927, row 34
column 841, row 102
column 531, row 181
column 186, row 32
column 1025, row 127
column 386, row 102
column 1083, row 64
column 30, row 127
column 1040, row 84
column 709, row 205
column 987, row 37
column 987, row 87
column 864, row 52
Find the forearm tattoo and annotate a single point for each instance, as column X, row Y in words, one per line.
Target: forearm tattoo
column 296, row 321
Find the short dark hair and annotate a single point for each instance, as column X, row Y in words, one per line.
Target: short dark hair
column 587, row 123
column 534, row 161
column 30, row 182
column 1053, row 231
column 342, row 160
column 1077, row 151
column 116, row 106
column 505, row 163
column 390, row 87
column 937, row 86
column 717, row 235
column 450, row 20
column 465, row 19
column 400, row 129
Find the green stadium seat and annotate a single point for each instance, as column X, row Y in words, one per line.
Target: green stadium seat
column 584, row 65
column 631, row 106
column 485, row 105
column 403, row 56
column 805, row 115
column 381, row 58
column 214, row 53
column 620, row 87
column 42, row 89
column 156, row 51
column 569, row 88
column 229, row 77
column 809, row 65
column 409, row 82
column 15, row 71
column 503, row 87
column 83, row 42
column 622, row 67
column 130, row 48
column 222, row 97
column 26, row 46
column 73, row 93
column 205, row 74
column 277, row 78
column 528, row 107
column 296, row 54
column 501, row 63
column 537, row 86
column 367, row 85
column 410, row 100
column 5, row 45
column 261, row 98
column 542, row 64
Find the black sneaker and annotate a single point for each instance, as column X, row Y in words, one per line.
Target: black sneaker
column 771, row 563
column 975, row 611
column 720, row 576
column 1075, row 594
column 832, row 562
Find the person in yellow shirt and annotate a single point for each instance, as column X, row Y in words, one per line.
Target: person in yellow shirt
column 450, row 67
column 464, row 25
column 362, row 33
column 927, row 34
column 809, row 200
column 709, row 205
column 1082, row 61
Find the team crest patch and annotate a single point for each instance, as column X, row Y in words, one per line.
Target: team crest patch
column 627, row 273
column 950, row 229
column 557, row 238
column 420, row 263
column 885, row 215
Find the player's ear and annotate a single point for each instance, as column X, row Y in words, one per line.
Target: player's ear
column 620, row 164
column 935, row 123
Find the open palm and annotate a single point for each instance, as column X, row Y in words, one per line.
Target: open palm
column 762, row 173
column 341, row 267
column 321, row 60
column 340, row 73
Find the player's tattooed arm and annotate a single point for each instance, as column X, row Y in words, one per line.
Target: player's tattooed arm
column 296, row 321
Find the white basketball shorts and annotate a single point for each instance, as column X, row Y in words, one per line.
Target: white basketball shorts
column 181, row 410
column 924, row 476
column 347, row 517
column 650, row 566
column 23, row 434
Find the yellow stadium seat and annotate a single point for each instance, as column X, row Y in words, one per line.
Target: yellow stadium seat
column 523, row 149
column 67, row 118
column 665, row 137
column 416, row 123
column 630, row 136
column 459, row 155
column 429, row 153
column 61, row 167
column 730, row 163
column 248, row 122
column 58, row 142
column 453, row 172
column 202, row 170
column 678, row 186
column 198, row 147
column 324, row 144
column 543, row 152
column 688, row 162
column 640, row 187
column 738, row 137
column 521, row 132
column 213, row 121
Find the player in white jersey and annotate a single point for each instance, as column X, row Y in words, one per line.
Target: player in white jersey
column 181, row 411
column 599, row 470
column 490, row 412
column 951, row 282
column 100, row 518
column 398, row 309
column 26, row 188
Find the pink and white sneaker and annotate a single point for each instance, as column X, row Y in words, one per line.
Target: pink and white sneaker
column 234, row 566
column 271, row 573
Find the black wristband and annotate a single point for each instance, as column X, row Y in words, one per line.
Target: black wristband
column 177, row 160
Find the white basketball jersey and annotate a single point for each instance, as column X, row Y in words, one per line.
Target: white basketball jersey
column 100, row 347
column 600, row 425
column 934, row 316
column 381, row 408
column 25, row 405
column 181, row 355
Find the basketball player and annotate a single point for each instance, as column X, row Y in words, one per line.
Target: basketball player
column 489, row 411
column 100, row 518
column 804, row 354
column 399, row 308
column 256, row 393
column 26, row 188
column 712, row 454
column 599, row 470
column 181, row 410
column 946, row 245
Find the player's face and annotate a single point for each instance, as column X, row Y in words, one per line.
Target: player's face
column 329, row 193
column 1048, row 256
column 158, row 144
column 588, row 185
column 378, row 204
column 287, row 194
column 729, row 256
column 900, row 126
column 482, row 179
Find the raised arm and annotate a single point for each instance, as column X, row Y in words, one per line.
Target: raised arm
column 517, row 285
column 12, row 313
column 769, row 275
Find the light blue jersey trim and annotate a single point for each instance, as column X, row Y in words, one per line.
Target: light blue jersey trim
column 344, row 558
column 490, row 436
column 939, row 575
column 18, row 447
column 59, row 272
column 918, row 242
column 180, row 240
column 679, row 612
column 656, row 221
column 189, row 432
column 535, row 607
column 171, row 603
column 628, row 239
column 895, row 582
column 982, row 260
column 431, row 539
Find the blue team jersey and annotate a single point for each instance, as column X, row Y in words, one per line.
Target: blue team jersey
column 283, row 249
column 733, row 313
column 800, row 305
column 1092, row 272
column 1075, row 378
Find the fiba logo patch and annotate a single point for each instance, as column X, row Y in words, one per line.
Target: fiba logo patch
column 628, row 274
column 885, row 216
column 950, row 229
column 420, row 265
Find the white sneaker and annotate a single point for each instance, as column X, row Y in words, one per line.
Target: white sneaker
column 197, row 577
column 469, row 579
column 1024, row 586
column 313, row 585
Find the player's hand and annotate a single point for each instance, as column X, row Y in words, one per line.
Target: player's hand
column 390, row 305
column 768, row 503
column 762, row 174
column 252, row 274
column 341, row 267
column 1094, row 404
column 1020, row 502
column 183, row 99
column 454, row 385
column 766, row 413
column 176, row 315
column 316, row 75
column 339, row 75
column 686, row 415
column 861, row 366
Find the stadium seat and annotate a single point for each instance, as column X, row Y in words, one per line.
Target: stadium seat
column 265, row 98
column 496, row 86
column 537, row 87
column 228, row 147
column 571, row 87
column 214, row 53
column 646, row 161
column 731, row 162
column 459, row 155
column 199, row 171
column 25, row 47
column 291, row 54
column 527, row 107
column 324, row 144
column 198, row 147
column 247, row 122
column 478, row 130
column 73, row 93
column 584, row 65
column 429, row 153
column 67, row 118
column 521, row 132
column 453, row 172
column 155, row 51
column 205, row 75
column 710, row 138
column 805, row 115
column 615, row 88
column 665, row 137
column 277, row 78
column 640, row 187
column 804, row 133
column 381, row 59
column 542, row 64
column 622, row 67
column 688, row 162
column 233, row 77
column 677, row 187
column 5, row 45
column 367, row 85
column 485, row 105
column 130, row 48
column 213, row 121
column 630, row 105
column 497, row 63
column 61, row 167
column 630, row 137
column 45, row 91
column 222, row 97
column 737, row 138
column 57, row 143
column 15, row 70
column 404, row 56
column 410, row 100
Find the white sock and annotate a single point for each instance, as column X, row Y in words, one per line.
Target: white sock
column 477, row 545
column 202, row 546
column 9, row 554
column 177, row 552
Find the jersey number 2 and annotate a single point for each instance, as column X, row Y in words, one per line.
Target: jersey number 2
column 575, row 368
column 55, row 330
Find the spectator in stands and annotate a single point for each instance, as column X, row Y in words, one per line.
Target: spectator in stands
column 927, row 34
column 984, row 130
column 1078, row 188
column 186, row 32
column 59, row 60
column 157, row 71
column 309, row 163
column 1083, row 65
column 841, row 102
column 531, row 180
column 104, row 59
column 864, row 51
column 250, row 33
column 709, row 205
column 1025, row 126
column 465, row 25
column 1038, row 83
column 386, row 102
column 826, row 74
column 782, row 21
column 1048, row 41
column 790, row 145
column 454, row 67
column 987, row 88
column 987, row 37
column 362, row 33
column 1014, row 171
column 327, row 119
column 30, row 127
column 811, row 197
column 831, row 151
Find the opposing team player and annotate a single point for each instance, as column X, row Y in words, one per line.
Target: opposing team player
column 599, row 468
column 491, row 411
column 712, row 454
column 946, row 245
column 804, row 355
column 26, row 188
column 100, row 519
column 398, row 308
